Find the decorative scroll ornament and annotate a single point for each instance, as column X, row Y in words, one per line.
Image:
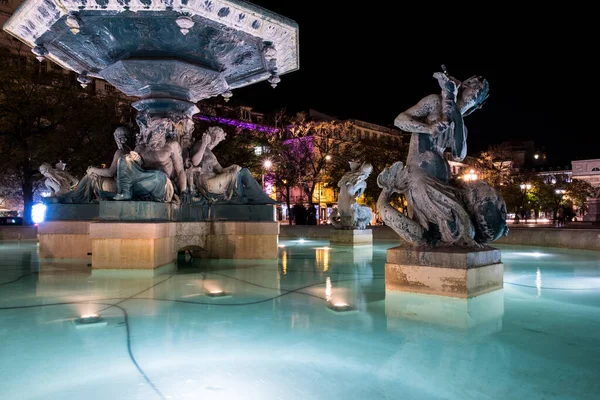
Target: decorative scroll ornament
column 270, row 54
column 40, row 52
column 74, row 23
column 227, row 95
column 84, row 79
column 185, row 23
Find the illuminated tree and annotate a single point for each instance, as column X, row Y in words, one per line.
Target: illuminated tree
column 45, row 116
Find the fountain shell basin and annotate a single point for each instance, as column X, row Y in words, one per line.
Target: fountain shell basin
column 186, row 50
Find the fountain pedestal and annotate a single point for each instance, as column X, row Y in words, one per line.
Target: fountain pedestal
column 351, row 237
column 450, row 272
column 593, row 212
column 65, row 239
column 153, row 246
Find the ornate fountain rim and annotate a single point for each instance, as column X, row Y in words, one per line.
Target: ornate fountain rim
column 35, row 17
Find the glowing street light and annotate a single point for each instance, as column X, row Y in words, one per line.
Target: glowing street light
column 471, row 176
column 267, row 164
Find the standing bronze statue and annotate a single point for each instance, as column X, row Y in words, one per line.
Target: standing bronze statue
column 442, row 212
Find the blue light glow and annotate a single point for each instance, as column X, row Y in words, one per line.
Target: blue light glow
column 38, row 213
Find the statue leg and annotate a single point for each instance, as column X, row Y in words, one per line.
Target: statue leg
column 124, row 180
column 408, row 229
column 486, row 209
column 250, row 191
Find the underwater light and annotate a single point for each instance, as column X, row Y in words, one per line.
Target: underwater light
column 89, row 320
column 301, row 240
column 38, row 213
column 341, row 307
column 217, row 293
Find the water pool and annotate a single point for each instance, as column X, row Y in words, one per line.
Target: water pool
column 272, row 336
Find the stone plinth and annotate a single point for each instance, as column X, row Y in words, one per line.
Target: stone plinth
column 72, row 212
column 65, row 239
column 242, row 239
column 154, row 245
column 450, row 272
column 133, row 245
column 351, row 237
column 227, row 212
column 593, row 212
column 136, row 211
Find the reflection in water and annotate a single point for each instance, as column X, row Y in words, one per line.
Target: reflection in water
column 328, row 289
column 482, row 314
column 322, row 256
column 276, row 338
column 284, row 262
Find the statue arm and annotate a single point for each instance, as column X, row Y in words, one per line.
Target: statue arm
column 412, row 120
column 459, row 149
column 110, row 171
column 197, row 157
column 178, row 166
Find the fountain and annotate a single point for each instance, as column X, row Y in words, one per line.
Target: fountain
column 449, row 222
column 170, row 54
column 351, row 219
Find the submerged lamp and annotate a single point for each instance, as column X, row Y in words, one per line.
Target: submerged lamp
column 217, row 293
column 341, row 307
column 89, row 320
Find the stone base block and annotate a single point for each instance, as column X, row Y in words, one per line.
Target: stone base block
column 122, row 245
column 65, row 239
column 136, row 211
column 593, row 212
column 242, row 240
column 227, row 212
column 450, row 272
column 72, row 212
column 481, row 315
column 351, row 237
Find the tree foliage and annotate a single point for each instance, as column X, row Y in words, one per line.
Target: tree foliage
column 45, row 116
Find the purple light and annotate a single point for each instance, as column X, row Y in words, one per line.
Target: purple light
column 237, row 123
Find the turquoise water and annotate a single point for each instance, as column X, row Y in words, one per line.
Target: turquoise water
column 274, row 337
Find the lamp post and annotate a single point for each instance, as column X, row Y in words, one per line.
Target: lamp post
column 327, row 159
column 267, row 164
column 525, row 187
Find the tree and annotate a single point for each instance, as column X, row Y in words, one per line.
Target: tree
column 302, row 152
column 378, row 155
column 45, row 116
column 578, row 191
column 495, row 165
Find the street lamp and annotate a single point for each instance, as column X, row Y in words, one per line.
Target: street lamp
column 471, row 176
column 267, row 164
column 525, row 187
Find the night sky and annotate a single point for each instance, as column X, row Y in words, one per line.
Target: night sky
column 371, row 61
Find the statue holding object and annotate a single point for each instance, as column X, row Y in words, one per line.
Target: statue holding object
column 443, row 212
column 350, row 214
column 58, row 182
column 218, row 184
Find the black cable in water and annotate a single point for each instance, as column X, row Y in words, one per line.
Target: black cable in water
column 133, row 295
column 132, row 357
column 14, row 280
column 127, row 332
